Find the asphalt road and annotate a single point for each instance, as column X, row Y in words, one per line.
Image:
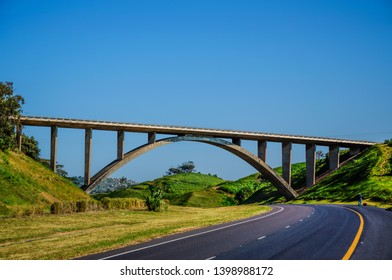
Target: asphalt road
column 288, row 232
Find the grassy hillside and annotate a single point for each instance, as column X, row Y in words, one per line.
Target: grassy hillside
column 188, row 189
column 200, row 190
column 370, row 174
column 25, row 183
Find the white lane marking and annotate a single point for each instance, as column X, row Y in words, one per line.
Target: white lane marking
column 287, row 226
column 301, row 220
column 193, row 235
column 261, row 237
column 211, row 258
column 308, row 216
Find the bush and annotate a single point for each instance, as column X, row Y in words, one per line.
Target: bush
column 388, row 142
column 63, row 207
column 154, row 200
column 67, row 207
column 26, row 211
column 122, row 203
column 81, row 206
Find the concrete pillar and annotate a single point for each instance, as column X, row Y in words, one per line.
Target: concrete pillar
column 262, row 150
column 19, row 137
column 354, row 151
column 286, row 161
column 152, row 137
column 53, row 147
column 333, row 157
column 310, row 165
column 120, row 144
column 87, row 155
column 236, row 141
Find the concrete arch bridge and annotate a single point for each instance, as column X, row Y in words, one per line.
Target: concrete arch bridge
column 228, row 140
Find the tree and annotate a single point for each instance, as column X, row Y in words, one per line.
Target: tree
column 388, row 142
column 319, row 155
column 59, row 167
column 185, row 167
column 10, row 111
column 30, row 147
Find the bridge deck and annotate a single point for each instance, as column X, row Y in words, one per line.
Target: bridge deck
column 181, row 130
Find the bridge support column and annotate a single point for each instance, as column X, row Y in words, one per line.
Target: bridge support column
column 53, row 148
column 120, row 144
column 333, row 157
column 310, row 165
column 87, row 155
column 262, row 150
column 152, row 137
column 286, row 161
column 19, row 137
column 354, row 151
column 236, row 141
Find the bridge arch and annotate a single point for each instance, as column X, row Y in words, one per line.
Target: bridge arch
column 281, row 185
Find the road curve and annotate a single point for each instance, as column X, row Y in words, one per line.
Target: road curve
column 299, row 232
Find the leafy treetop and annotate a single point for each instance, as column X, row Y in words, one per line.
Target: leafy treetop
column 10, row 111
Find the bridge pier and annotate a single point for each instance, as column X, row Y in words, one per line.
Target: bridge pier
column 354, row 151
column 334, row 157
column 19, row 137
column 310, row 165
column 87, row 155
column 120, row 144
column 152, row 137
column 262, row 150
column 236, row 141
column 286, row 161
column 53, row 148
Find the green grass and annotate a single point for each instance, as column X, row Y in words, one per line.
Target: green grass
column 188, row 189
column 74, row 235
column 27, row 183
column 370, row 175
column 200, row 190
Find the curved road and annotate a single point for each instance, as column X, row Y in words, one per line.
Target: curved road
column 299, row 232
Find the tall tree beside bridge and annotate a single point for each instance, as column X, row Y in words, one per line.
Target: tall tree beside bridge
column 10, row 111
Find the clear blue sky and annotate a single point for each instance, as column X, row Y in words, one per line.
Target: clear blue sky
column 317, row 68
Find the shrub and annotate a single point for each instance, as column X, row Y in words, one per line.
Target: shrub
column 388, row 142
column 25, row 211
column 154, row 200
column 122, row 203
column 81, row 206
column 244, row 194
column 63, row 207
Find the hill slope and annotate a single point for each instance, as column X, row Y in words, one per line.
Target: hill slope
column 25, row 183
column 200, row 190
column 370, row 174
column 187, row 189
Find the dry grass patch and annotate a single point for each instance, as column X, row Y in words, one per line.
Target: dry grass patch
column 73, row 235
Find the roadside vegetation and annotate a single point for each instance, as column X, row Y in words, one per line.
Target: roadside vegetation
column 74, row 235
column 27, row 187
column 370, row 174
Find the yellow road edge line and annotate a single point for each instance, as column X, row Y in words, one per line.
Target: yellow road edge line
column 350, row 251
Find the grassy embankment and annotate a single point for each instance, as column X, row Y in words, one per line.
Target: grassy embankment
column 68, row 236
column 189, row 189
column 72, row 235
column 370, row 174
column 28, row 186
